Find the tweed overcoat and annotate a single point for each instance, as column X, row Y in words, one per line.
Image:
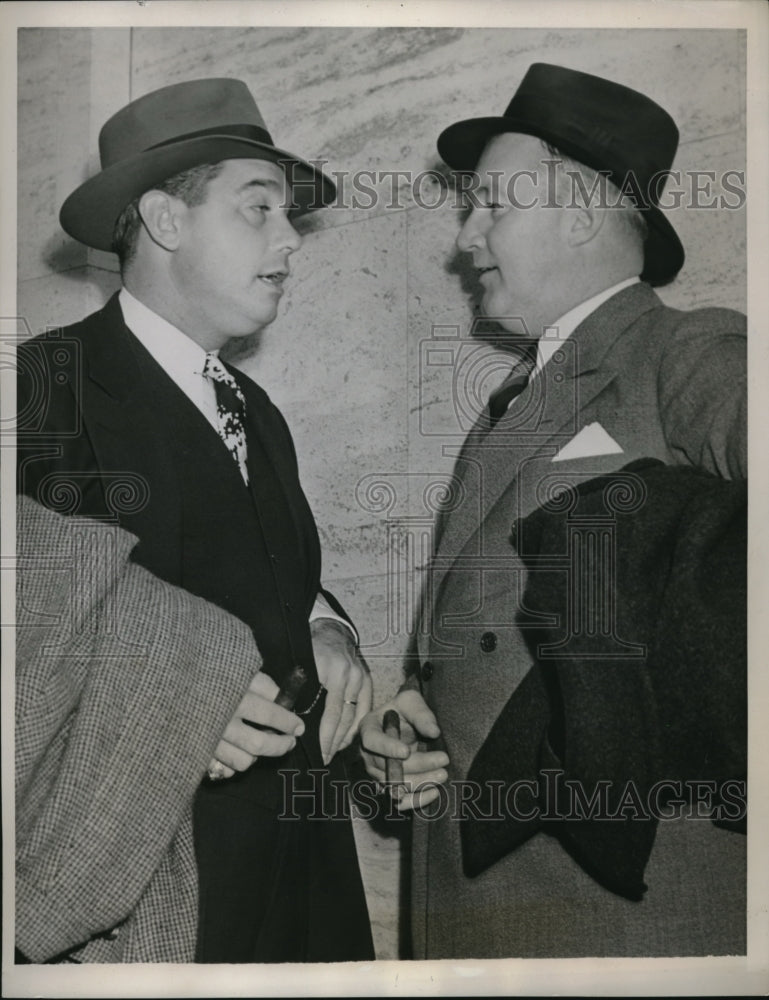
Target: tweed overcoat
column 108, row 657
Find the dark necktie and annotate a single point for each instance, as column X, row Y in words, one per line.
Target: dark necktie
column 513, row 386
column 230, row 411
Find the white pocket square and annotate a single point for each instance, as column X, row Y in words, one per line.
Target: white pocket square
column 591, row 441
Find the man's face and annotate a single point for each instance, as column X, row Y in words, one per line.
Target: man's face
column 233, row 253
column 519, row 251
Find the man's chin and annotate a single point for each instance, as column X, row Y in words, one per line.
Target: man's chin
column 496, row 307
column 254, row 325
column 244, row 343
column 499, row 321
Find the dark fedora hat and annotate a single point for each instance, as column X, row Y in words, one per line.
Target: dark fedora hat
column 171, row 130
column 602, row 124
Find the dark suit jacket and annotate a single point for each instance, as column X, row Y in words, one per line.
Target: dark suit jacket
column 105, row 432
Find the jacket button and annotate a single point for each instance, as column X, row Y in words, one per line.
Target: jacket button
column 427, row 670
column 488, row 642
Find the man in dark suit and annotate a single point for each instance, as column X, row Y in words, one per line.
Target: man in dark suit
column 131, row 416
column 605, row 374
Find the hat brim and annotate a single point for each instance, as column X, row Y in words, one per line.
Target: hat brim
column 89, row 214
column 461, row 145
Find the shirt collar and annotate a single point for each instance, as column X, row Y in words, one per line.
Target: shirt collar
column 173, row 350
column 563, row 328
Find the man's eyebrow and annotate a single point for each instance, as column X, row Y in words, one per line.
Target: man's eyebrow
column 260, row 182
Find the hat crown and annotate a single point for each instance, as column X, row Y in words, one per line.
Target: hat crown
column 179, row 110
column 172, row 130
column 606, row 124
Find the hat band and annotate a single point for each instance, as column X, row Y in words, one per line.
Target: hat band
column 246, row 131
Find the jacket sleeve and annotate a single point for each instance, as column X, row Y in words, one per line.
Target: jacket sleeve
column 124, row 686
column 703, row 392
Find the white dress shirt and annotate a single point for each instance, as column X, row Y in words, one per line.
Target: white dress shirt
column 182, row 360
column 563, row 328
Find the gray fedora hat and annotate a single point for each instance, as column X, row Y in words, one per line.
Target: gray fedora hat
column 171, row 130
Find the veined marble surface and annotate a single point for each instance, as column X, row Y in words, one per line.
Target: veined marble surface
column 377, row 290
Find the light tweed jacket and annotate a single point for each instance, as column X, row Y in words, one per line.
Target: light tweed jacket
column 124, row 685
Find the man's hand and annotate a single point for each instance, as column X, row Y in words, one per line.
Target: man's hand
column 241, row 743
column 344, row 674
column 420, row 767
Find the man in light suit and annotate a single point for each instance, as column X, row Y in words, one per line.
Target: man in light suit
column 131, row 416
column 606, row 374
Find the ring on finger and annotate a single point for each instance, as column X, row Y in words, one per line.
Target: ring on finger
column 216, row 771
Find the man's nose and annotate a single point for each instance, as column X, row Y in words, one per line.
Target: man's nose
column 470, row 236
column 287, row 238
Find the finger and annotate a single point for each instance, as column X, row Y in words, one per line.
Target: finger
column 365, row 696
column 233, row 757
column 374, row 766
column 420, row 766
column 418, row 799
column 426, row 781
column 257, row 742
column 262, row 684
column 259, row 712
column 415, row 710
column 332, row 714
column 420, row 762
column 345, row 729
column 375, row 740
column 222, row 770
column 439, row 776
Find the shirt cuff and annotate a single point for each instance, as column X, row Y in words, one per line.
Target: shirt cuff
column 322, row 609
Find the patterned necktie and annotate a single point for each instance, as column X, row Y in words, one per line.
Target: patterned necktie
column 230, row 411
column 513, row 386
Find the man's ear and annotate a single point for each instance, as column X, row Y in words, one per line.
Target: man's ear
column 160, row 213
column 585, row 224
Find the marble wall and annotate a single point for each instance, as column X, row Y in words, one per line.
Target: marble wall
column 374, row 288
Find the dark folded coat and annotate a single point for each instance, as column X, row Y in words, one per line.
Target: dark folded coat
column 660, row 697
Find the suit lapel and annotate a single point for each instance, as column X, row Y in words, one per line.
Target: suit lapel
column 109, row 361
column 269, row 441
column 539, row 421
column 139, row 420
column 121, row 409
